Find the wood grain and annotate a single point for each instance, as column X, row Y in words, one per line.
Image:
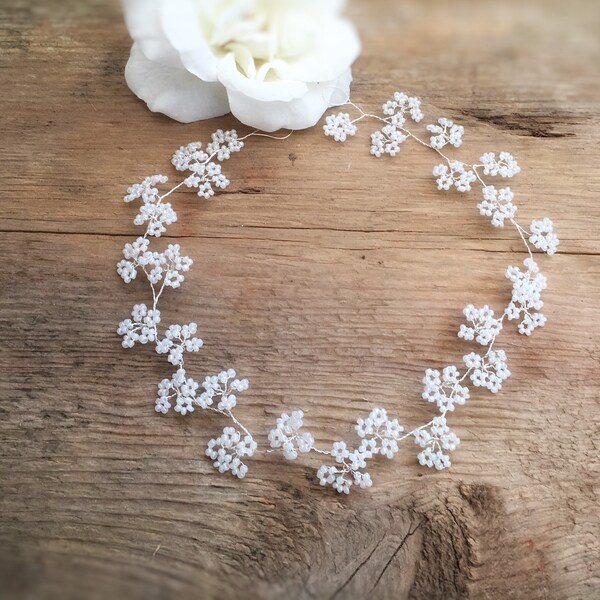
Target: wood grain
column 331, row 281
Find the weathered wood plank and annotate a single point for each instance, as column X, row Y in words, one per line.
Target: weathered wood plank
column 329, row 279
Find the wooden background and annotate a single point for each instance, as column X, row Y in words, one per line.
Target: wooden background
column 331, row 280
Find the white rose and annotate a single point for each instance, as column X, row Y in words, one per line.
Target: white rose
column 273, row 63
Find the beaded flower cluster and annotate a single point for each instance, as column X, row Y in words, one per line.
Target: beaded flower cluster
column 378, row 433
column 167, row 269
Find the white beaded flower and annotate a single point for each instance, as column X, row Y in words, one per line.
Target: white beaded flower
column 343, row 477
column 288, row 437
column 339, row 127
column 483, row 328
column 336, row 478
column 146, row 190
column 189, row 155
column 378, row 427
column 497, row 204
column 228, row 450
column 504, row 166
column 127, row 268
column 386, row 141
column 526, row 298
column 157, row 216
column 399, row 106
column 180, row 388
column 434, row 441
column 444, row 389
column 489, row 370
column 221, row 387
column 204, row 176
column 205, row 172
column 153, row 212
column 224, row 143
column 445, row 132
column 168, row 265
column 141, row 328
column 543, row 236
column 379, row 434
column 179, row 339
column 163, row 404
column 454, row 174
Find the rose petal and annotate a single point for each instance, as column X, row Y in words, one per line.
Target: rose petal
column 334, row 49
column 174, row 92
column 266, row 91
column 142, row 18
column 299, row 113
column 340, row 93
column 243, row 58
column 182, row 27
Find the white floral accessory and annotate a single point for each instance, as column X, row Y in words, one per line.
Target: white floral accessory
column 273, row 63
column 379, row 434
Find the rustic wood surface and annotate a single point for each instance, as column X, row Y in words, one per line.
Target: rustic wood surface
column 332, row 281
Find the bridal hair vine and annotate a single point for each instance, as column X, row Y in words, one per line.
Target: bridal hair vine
column 379, row 433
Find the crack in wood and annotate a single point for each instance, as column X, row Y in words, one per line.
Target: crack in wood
column 395, row 553
column 540, row 126
column 358, row 568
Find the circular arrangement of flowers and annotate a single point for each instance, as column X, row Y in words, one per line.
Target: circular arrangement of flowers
column 380, row 435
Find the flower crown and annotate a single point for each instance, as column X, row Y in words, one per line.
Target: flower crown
column 379, row 434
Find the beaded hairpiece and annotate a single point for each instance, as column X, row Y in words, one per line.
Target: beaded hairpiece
column 379, row 434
